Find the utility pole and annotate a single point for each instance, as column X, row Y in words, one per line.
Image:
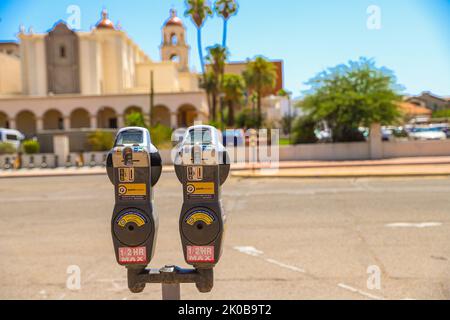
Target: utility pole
column 152, row 97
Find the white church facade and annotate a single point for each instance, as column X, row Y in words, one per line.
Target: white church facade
column 66, row 80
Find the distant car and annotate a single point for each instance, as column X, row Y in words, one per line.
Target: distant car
column 387, row 133
column 233, row 138
column 324, row 135
column 427, row 133
column 11, row 136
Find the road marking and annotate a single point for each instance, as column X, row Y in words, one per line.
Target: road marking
column 286, row 266
column 363, row 293
column 414, row 225
column 251, row 251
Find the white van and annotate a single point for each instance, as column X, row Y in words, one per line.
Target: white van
column 11, row 136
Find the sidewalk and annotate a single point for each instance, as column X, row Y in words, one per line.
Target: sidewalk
column 430, row 166
column 400, row 167
column 59, row 172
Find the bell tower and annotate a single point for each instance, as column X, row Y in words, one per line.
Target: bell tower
column 174, row 47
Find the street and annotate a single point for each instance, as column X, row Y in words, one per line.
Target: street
column 285, row 239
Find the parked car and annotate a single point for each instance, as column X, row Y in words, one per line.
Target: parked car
column 427, row 133
column 387, row 133
column 11, row 136
column 233, row 138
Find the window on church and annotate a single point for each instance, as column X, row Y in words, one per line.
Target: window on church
column 173, row 39
column 62, row 51
column 175, row 58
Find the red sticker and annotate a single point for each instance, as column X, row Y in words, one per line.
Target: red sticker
column 136, row 255
column 200, row 254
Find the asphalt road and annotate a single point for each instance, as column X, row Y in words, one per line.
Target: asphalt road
column 286, row 239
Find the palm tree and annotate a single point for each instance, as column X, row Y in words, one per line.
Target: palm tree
column 208, row 82
column 199, row 10
column 217, row 55
column 260, row 77
column 226, row 9
column 233, row 87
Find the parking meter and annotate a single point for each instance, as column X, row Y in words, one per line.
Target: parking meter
column 202, row 166
column 134, row 168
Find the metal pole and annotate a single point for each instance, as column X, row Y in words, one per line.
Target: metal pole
column 171, row 291
column 152, row 97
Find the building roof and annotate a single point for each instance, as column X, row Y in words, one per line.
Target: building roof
column 104, row 22
column 174, row 20
column 413, row 109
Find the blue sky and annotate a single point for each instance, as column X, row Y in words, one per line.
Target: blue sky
column 414, row 39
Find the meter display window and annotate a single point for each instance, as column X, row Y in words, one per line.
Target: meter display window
column 202, row 136
column 130, row 137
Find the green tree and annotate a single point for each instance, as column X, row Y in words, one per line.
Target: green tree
column 233, row 87
column 352, row 95
column 260, row 77
column 304, row 130
column 226, row 9
column 442, row 113
column 135, row 119
column 199, row 10
column 217, row 55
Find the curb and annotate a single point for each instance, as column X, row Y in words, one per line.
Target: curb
column 343, row 175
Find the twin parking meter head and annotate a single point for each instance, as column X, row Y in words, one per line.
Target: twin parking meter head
column 202, row 166
column 134, row 167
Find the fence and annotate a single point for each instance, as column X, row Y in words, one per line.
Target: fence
column 323, row 152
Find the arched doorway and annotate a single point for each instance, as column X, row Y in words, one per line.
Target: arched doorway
column 4, row 120
column 26, row 123
column 161, row 115
column 80, row 118
column 187, row 115
column 53, row 120
column 107, row 118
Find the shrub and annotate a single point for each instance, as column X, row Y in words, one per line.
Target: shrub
column 303, row 130
column 248, row 118
column 31, row 146
column 161, row 135
column 7, row 148
column 101, row 141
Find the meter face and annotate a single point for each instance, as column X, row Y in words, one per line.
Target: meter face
column 130, row 137
column 202, row 136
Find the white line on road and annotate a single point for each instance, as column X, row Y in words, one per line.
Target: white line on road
column 363, row 293
column 280, row 264
column 414, row 225
column 252, row 251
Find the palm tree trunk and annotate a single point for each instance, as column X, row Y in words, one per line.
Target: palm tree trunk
column 259, row 116
column 225, row 33
column 200, row 49
column 230, row 113
column 214, row 106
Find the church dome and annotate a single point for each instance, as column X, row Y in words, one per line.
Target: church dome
column 174, row 20
column 105, row 23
